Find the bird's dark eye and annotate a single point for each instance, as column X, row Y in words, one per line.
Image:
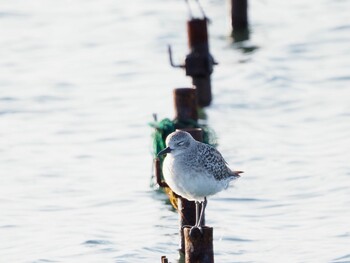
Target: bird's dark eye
column 180, row 143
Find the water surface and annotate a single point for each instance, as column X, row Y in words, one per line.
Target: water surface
column 79, row 82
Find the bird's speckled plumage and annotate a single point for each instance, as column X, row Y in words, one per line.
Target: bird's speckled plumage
column 193, row 169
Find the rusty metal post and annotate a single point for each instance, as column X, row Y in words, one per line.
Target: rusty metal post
column 199, row 245
column 239, row 20
column 199, row 63
column 185, row 102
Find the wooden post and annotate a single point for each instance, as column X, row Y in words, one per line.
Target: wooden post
column 187, row 217
column 239, row 14
column 199, row 63
column 239, row 20
column 204, row 90
column 199, row 245
column 185, row 102
column 198, row 35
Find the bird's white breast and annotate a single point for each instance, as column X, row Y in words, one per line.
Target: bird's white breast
column 188, row 181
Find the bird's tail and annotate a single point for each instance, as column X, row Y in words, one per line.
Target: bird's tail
column 236, row 173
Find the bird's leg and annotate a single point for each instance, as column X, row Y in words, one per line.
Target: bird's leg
column 197, row 214
column 196, row 230
column 204, row 204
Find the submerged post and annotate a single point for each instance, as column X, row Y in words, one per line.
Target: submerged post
column 199, row 245
column 239, row 14
column 239, row 19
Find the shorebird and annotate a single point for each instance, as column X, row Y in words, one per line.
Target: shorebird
column 195, row 170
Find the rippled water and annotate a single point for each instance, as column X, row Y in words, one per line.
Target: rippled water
column 79, row 82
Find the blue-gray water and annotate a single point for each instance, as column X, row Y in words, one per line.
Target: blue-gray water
column 79, row 81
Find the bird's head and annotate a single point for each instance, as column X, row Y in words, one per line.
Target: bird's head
column 177, row 142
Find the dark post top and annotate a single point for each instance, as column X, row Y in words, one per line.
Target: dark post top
column 185, row 102
column 198, row 34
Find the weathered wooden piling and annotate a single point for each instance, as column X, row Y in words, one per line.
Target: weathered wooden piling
column 185, row 103
column 239, row 14
column 199, row 63
column 239, row 20
column 199, row 245
column 187, row 217
column 198, row 34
